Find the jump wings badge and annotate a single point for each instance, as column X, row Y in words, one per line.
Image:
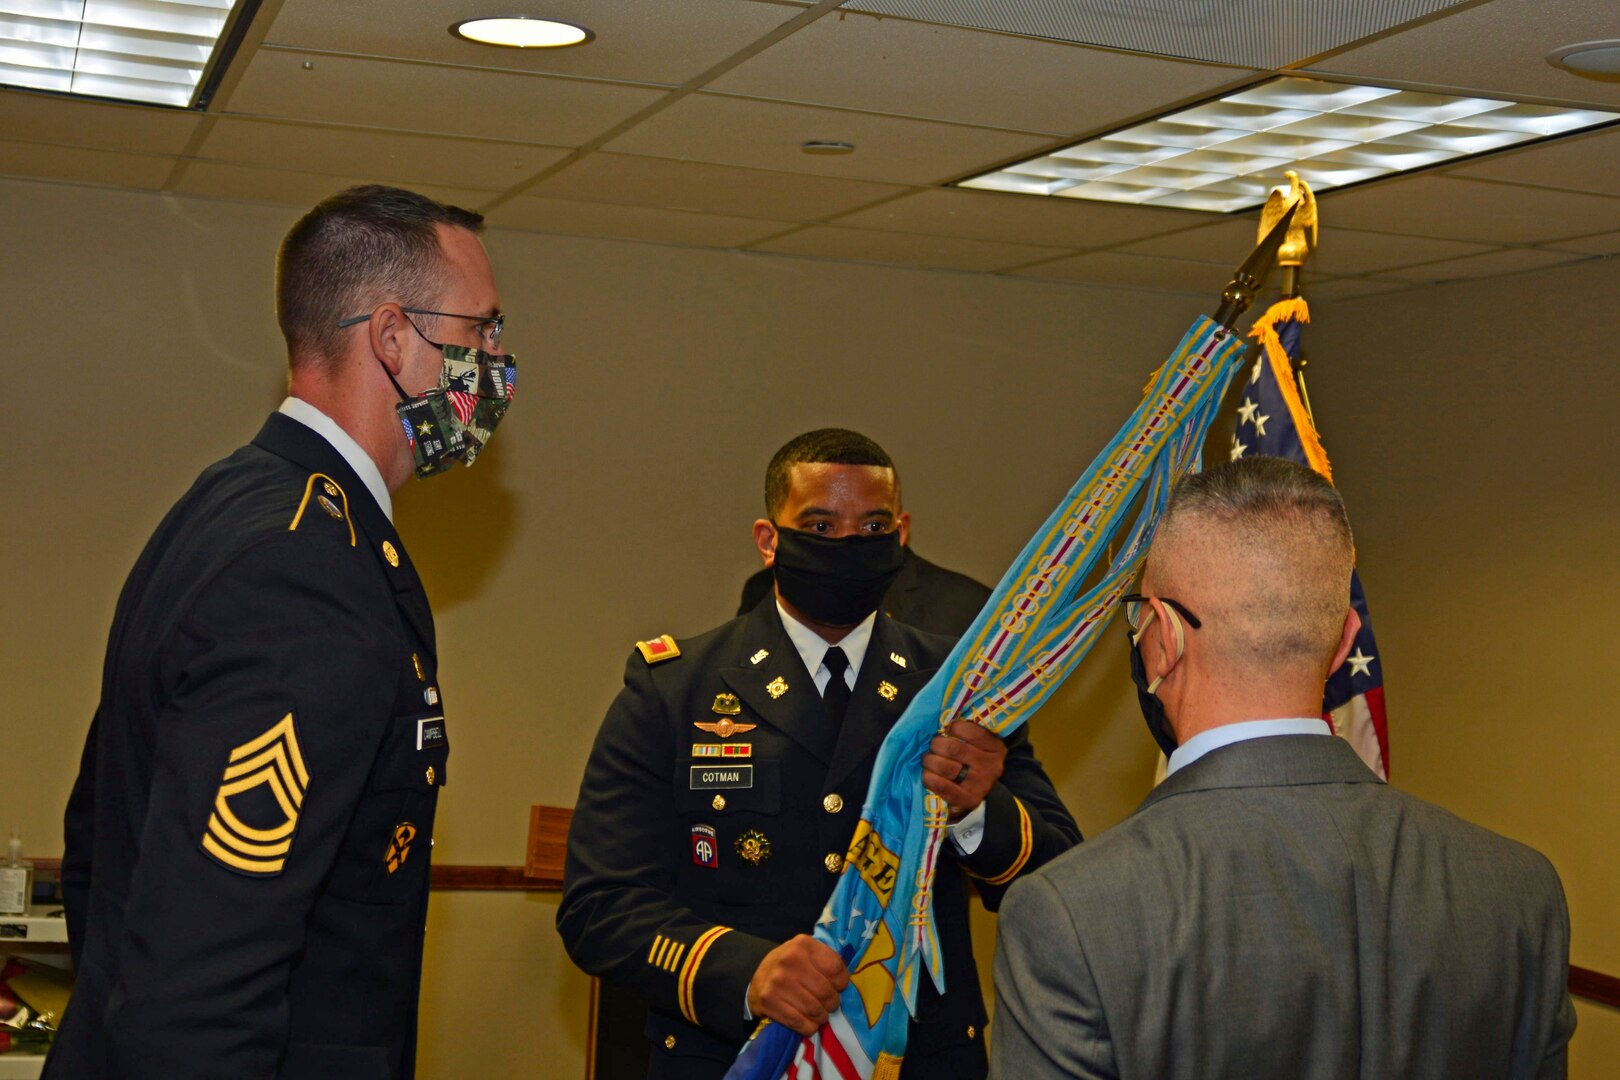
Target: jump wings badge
column 273, row 762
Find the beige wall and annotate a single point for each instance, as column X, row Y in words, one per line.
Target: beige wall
column 616, row 502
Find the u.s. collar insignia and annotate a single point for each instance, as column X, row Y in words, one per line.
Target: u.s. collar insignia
column 776, row 687
column 271, row 761
column 399, row 845
column 390, row 553
column 899, row 661
column 660, row 648
column 727, row 705
column 725, row 727
column 329, row 506
column 757, row 657
column 888, row 691
column 753, row 847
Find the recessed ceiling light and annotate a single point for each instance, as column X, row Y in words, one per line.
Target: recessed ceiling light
column 1589, row 59
column 150, row 51
column 1228, row 154
column 522, row 32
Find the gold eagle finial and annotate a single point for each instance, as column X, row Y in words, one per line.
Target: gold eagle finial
column 1301, row 238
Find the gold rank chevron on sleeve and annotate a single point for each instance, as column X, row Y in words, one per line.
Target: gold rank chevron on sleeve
column 1026, row 846
column 274, row 761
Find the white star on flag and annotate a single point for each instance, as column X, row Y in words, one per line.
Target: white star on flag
column 1246, row 411
column 827, row 918
column 1359, row 664
column 1260, row 424
column 1237, row 448
column 871, row 928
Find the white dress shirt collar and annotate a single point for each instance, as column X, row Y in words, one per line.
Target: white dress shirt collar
column 813, row 647
column 360, row 461
column 1227, row 734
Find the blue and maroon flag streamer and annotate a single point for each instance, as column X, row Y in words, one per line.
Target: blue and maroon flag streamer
column 1273, row 420
column 1042, row 619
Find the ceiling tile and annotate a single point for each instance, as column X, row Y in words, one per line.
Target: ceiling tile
column 126, row 128
column 1487, row 265
column 767, row 135
column 1339, row 252
column 385, row 156
column 1346, row 288
column 715, row 189
column 1580, row 163
column 259, row 184
column 77, row 165
column 647, row 223
column 862, row 245
column 1496, row 48
column 1138, row 271
column 857, row 61
column 1457, row 209
column 656, row 42
column 992, row 215
column 1602, row 244
column 425, row 98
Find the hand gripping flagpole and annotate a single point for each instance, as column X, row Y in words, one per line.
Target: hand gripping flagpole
column 1038, row 624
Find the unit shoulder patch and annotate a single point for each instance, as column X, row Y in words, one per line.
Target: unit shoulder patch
column 323, row 499
column 659, row 649
column 256, row 807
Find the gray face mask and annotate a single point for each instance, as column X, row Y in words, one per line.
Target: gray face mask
column 456, row 419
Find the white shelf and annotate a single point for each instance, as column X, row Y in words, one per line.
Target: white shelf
column 17, row 1066
column 30, row 929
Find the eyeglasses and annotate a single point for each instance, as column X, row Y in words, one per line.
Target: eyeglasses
column 489, row 327
column 1132, row 605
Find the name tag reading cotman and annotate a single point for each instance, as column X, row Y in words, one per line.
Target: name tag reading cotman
column 705, row 777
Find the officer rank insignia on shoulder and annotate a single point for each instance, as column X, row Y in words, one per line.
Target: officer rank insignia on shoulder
column 264, row 783
column 327, row 497
column 659, row 649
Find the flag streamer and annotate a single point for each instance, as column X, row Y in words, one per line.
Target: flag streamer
column 1037, row 625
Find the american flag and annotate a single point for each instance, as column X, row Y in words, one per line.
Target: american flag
column 463, row 403
column 410, row 432
column 510, row 374
column 1273, row 419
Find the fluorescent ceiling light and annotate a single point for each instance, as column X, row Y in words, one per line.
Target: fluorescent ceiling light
column 521, row 32
column 1228, row 154
column 151, row 51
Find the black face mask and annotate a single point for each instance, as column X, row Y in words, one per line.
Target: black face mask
column 1158, row 723
column 837, row 582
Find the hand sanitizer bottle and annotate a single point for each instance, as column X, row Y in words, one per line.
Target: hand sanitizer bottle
column 16, row 878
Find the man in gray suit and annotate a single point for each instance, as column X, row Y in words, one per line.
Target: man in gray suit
column 1272, row 909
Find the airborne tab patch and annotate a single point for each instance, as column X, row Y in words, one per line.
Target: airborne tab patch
column 264, row 782
column 659, row 649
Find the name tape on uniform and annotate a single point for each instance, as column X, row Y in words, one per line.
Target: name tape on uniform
column 708, row 777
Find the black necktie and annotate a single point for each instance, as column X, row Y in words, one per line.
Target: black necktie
column 835, row 699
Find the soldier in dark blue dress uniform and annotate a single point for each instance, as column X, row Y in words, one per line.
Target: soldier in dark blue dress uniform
column 248, row 840
column 726, row 782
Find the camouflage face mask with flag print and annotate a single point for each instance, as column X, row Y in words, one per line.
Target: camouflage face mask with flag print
column 456, row 419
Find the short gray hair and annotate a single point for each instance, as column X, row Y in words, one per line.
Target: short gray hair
column 359, row 248
column 1266, row 543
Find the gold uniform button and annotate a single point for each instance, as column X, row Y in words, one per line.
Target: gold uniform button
column 431, row 775
column 719, row 802
column 669, row 1042
column 833, row 863
column 971, row 1031
column 833, row 803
